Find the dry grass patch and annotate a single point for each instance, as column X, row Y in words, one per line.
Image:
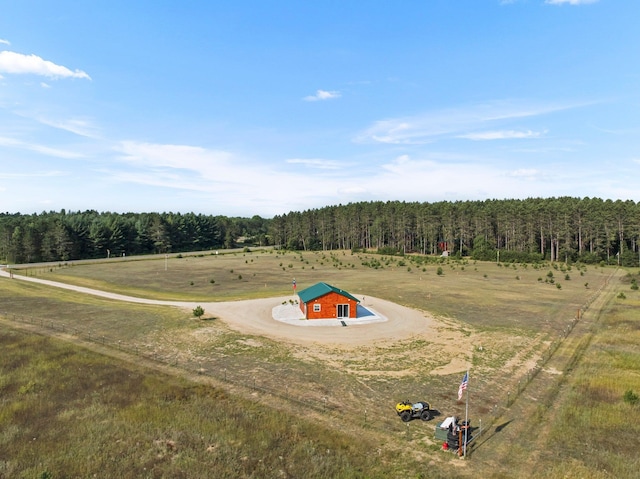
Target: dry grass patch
column 486, row 318
column 67, row 412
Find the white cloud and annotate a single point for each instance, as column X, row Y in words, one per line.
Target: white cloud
column 45, row 150
column 17, row 63
column 45, row 85
column 173, row 156
column 316, row 163
column 570, row 2
column 77, row 126
column 530, row 173
column 501, row 135
column 455, row 122
column 218, row 177
column 351, row 190
column 443, row 177
column 4, row 42
column 323, row 95
column 32, row 174
column 402, row 131
column 4, row 141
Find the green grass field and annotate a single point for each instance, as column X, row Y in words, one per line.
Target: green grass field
column 519, row 312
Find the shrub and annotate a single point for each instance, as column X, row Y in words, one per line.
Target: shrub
column 439, row 272
column 630, row 397
column 198, row 311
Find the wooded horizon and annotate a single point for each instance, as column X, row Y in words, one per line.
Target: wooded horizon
column 588, row 230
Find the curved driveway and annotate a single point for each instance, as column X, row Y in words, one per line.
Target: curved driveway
column 255, row 316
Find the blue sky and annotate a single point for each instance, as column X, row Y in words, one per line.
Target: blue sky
column 243, row 108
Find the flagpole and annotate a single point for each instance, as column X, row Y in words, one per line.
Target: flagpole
column 466, row 420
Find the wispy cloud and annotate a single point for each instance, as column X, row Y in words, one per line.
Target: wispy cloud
column 213, row 175
column 32, row 174
column 429, row 177
column 17, row 63
column 316, row 163
column 42, row 149
column 80, row 127
column 502, row 135
column 570, row 2
column 4, row 42
column 172, row 156
column 462, row 122
column 526, row 173
column 322, row 95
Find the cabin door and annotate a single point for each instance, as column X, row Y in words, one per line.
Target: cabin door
column 343, row 310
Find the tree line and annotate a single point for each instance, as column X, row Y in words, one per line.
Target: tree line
column 63, row 236
column 589, row 230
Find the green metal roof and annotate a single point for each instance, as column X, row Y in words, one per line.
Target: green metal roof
column 320, row 289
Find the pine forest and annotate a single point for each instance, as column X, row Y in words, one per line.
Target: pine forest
column 589, row 230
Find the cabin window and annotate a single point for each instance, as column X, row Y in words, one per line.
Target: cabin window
column 316, row 307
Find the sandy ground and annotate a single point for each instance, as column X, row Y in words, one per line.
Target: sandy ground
column 387, row 323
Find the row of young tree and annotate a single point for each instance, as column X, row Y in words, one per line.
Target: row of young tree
column 590, row 230
column 62, row 236
column 558, row 229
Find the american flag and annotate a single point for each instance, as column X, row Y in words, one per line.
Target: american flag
column 463, row 385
